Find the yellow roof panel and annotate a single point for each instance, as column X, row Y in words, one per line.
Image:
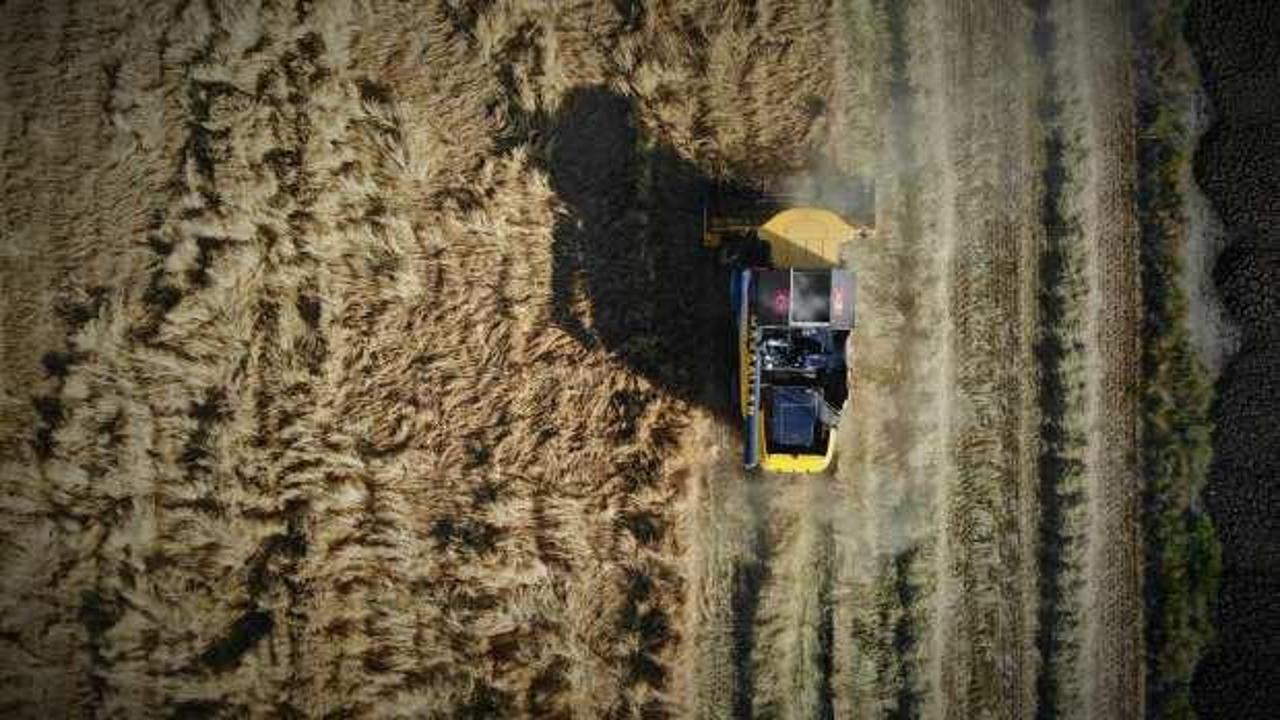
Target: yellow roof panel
column 805, row 238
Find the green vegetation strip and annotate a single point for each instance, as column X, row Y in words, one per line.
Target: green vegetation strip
column 1060, row 355
column 1183, row 556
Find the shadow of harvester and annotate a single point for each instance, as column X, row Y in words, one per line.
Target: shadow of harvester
column 630, row 274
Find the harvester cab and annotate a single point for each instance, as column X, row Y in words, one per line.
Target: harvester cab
column 792, row 304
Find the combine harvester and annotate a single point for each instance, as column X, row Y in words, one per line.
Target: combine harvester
column 793, row 307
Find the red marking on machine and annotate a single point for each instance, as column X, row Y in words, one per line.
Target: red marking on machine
column 780, row 301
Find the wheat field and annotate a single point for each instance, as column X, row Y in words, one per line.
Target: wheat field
column 361, row 359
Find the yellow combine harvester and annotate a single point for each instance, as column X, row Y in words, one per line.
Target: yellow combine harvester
column 793, row 308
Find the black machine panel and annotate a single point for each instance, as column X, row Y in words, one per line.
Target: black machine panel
column 811, row 296
column 773, row 296
column 804, row 297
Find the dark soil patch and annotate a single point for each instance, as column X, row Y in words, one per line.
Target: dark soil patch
column 1235, row 44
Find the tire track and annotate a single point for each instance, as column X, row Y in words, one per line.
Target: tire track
column 860, row 641
column 1113, row 633
column 728, row 562
column 988, row 646
column 894, row 460
column 791, row 653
